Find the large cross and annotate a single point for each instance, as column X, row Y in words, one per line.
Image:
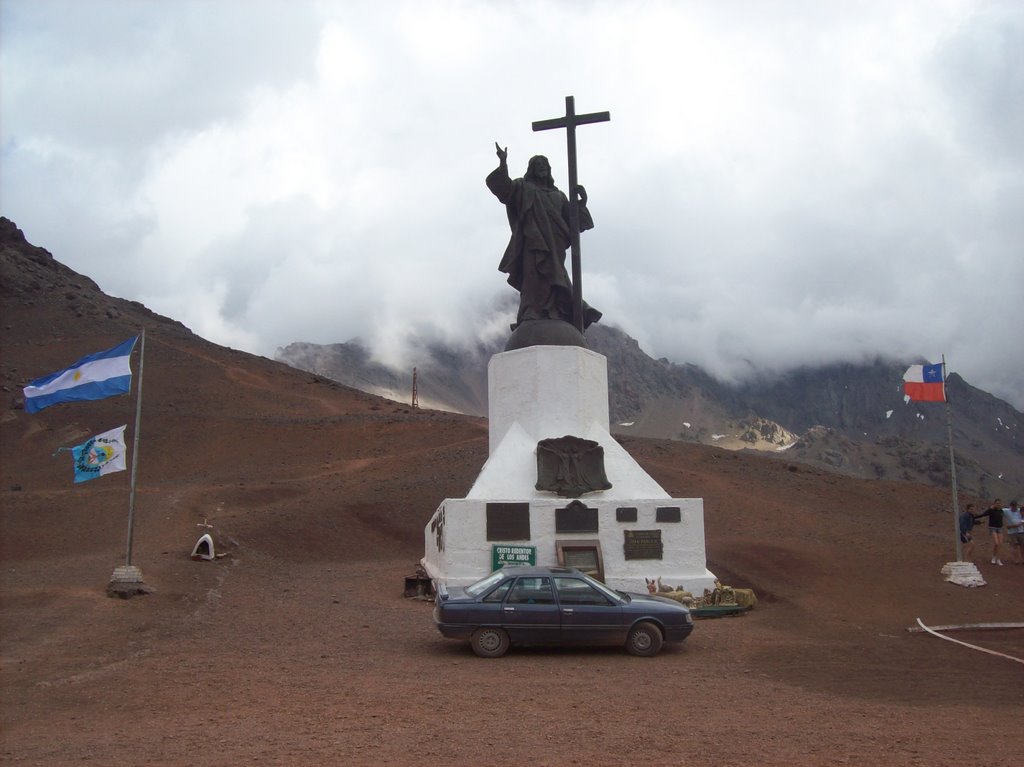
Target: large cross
column 569, row 122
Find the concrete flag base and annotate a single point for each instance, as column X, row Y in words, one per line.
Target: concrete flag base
column 963, row 574
column 126, row 582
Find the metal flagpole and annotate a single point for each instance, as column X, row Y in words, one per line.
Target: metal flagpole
column 135, row 449
column 952, row 467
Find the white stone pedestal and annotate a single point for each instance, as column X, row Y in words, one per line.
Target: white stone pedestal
column 545, row 392
column 963, row 574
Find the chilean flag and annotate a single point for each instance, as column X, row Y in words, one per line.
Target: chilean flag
column 924, row 383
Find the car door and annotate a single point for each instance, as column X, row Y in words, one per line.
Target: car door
column 530, row 613
column 487, row 612
column 588, row 616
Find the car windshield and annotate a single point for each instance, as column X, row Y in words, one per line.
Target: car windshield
column 484, row 584
column 615, row 596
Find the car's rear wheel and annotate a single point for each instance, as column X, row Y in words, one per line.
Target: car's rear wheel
column 489, row 642
column 644, row 640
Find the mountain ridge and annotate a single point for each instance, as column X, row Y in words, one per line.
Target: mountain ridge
column 857, row 422
column 849, row 417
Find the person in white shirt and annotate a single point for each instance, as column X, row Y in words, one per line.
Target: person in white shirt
column 1014, row 521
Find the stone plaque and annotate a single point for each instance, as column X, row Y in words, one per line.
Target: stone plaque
column 570, row 466
column 584, row 555
column 668, row 514
column 576, row 518
column 625, row 514
column 582, row 559
column 642, row 544
column 508, row 521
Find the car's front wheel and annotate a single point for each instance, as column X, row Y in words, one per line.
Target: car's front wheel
column 644, row 639
column 489, row 642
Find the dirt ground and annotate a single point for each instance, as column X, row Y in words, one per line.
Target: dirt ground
column 299, row 648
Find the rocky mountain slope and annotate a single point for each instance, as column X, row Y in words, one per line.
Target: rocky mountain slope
column 852, row 418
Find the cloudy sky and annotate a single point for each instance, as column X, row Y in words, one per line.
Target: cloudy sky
column 781, row 183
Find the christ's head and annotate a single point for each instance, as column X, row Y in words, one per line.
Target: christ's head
column 539, row 171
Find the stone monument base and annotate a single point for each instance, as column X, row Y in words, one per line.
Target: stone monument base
column 625, row 530
column 622, row 545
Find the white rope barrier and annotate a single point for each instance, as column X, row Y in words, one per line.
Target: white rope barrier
column 965, row 644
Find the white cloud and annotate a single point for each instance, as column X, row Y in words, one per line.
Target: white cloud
column 778, row 185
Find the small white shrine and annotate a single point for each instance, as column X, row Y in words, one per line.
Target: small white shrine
column 599, row 511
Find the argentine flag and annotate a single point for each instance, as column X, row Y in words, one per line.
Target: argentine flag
column 96, row 376
column 101, row 455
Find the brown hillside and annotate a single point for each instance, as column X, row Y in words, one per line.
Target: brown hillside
column 299, row 649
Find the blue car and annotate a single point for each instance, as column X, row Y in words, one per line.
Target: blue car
column 556, row 605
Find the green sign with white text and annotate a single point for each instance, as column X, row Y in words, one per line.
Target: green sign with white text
column 502, row 555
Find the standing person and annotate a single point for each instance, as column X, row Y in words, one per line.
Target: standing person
column 966, row 526
column 1015, row 530
column 995, row 528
